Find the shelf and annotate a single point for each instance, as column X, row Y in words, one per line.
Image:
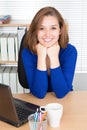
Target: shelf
column 16, row 23
column 8, row 63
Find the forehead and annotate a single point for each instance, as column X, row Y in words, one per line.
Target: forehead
column 49, row 20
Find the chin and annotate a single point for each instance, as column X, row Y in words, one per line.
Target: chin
column 48, row 46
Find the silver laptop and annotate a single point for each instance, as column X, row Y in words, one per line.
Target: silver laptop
column 12, row 110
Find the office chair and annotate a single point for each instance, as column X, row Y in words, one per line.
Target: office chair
column 21, row 72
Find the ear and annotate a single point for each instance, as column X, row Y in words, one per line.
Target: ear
column 60, row 31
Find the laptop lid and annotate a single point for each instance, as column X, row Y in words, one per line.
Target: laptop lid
column 8, row 111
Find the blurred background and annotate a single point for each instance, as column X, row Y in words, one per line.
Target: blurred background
column 75, row 14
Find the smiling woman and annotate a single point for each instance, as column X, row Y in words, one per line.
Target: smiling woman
column 48, row 35
column 47, row 48
column 26, row 9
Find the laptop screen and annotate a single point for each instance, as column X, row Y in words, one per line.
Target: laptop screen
column 9, row 107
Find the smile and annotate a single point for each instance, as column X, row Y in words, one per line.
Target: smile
column 48, row 39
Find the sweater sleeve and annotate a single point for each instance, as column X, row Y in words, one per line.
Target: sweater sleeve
column 37, row 80
column 62, row 77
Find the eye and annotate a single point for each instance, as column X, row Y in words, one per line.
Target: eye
column 41, row 28
column 54, row 28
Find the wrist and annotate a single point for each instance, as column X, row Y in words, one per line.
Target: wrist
column 54, row 63
column 41, row 64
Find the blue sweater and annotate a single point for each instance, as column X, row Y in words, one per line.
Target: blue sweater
column 60, row 79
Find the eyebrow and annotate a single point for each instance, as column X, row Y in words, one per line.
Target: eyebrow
column 51, row 25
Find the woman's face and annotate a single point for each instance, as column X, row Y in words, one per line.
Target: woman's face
column 48, row 31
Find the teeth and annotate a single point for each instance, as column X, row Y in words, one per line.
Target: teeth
column 47, row 40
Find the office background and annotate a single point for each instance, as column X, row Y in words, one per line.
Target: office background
column 73, row 11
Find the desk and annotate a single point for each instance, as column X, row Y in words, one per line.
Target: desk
column 74, row 114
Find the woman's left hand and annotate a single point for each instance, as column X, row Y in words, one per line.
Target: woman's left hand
column 53, row 53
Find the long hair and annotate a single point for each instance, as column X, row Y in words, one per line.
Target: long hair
column 31, row 36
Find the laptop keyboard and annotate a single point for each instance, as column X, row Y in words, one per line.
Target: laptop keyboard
column 22, row 113
column 24, row 109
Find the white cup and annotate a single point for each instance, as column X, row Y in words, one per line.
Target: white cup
column 54, row 113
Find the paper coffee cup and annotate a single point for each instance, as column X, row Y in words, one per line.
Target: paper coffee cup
column 54, row 113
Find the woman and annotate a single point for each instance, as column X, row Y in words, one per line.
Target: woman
column 49, row 60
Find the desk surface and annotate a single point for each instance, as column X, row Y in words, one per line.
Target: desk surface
column 74, row 114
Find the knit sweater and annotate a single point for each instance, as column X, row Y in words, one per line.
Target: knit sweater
column 60, row 79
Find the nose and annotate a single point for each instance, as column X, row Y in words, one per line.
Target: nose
column 47, row 32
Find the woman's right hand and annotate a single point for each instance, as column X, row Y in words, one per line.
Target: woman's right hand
column 41, row 53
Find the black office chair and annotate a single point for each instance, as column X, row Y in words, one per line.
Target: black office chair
column 21, row 72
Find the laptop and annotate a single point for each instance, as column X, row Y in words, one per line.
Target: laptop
column 12, row 110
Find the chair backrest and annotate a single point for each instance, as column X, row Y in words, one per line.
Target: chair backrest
column 21, row 72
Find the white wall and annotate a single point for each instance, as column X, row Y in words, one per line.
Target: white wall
column 80, row 81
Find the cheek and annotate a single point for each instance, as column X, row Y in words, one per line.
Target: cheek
column 57, row 35
column 39, row 35
column 39, row 39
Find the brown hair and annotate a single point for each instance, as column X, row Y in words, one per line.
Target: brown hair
column 31, row 36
